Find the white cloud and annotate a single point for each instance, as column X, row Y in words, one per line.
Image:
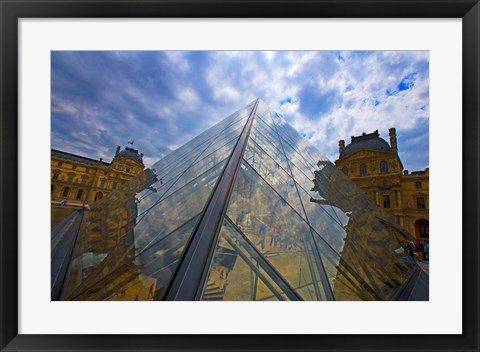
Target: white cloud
column 206, row 91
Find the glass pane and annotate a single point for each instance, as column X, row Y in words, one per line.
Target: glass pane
column 107, row 228
column 112, row 232
column 284, row 239
column 296, row 159
column 142, row 278
column 369, row 246
column 327, row 220
column 176, row 178
column 235, row 275
column 175, row 163
column 269, row 143
column 346, row 283
column 219, row 156
column 274, row 175
column 295, row 141
column 176, row 209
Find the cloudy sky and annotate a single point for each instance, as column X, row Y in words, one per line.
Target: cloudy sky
column 162, row 100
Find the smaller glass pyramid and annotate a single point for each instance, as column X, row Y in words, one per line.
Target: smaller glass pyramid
column 246, row 211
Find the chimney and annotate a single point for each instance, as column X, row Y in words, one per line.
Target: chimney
column 118, row 150
column 341, row 146
column 393, row 139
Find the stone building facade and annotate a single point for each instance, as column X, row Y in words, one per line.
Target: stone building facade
column 79, row 179
column 375, row 166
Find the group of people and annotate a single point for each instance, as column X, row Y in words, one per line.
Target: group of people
column 421, row 248
column 276, row 236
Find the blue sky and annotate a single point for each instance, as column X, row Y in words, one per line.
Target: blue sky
column 162, row 100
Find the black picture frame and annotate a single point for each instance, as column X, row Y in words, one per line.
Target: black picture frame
column 11, row 11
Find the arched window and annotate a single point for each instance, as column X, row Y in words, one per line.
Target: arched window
column 98, row 196
column 79, row 194
column 55, row 176
column 52, row 189
column 383, row 167
column 363, row 169
column 345, row 170
column 421, row 228
column 66, row 192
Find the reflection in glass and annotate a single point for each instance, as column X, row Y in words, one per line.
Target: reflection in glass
column 278, row 233
column 112, row 240
column 235, row 275
column 295, row 226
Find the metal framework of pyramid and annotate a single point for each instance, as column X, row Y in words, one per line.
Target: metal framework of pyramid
column 246, row 211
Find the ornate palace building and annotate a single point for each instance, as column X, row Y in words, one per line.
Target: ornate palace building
column 79, row 179
column 375, row 166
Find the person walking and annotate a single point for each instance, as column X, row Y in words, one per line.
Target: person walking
column 410, row 249
column 272, row 238
column 426, row 249
column 420, row 250
column 276, row 236
column 263, row 234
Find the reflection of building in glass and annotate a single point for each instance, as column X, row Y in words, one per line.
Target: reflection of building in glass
column 248, row 210
column 78, row 179
column 106, row 238
column 375, row 166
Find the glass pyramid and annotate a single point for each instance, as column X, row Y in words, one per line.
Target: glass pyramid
column 246, row 211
